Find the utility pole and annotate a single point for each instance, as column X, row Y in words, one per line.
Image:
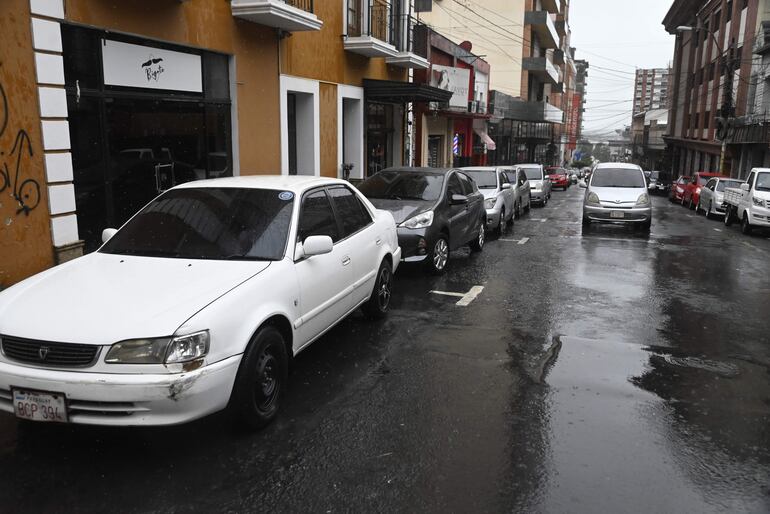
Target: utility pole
column 727, row 111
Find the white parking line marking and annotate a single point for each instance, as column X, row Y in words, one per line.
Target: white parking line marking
column 465, row 298
column 541, row 220
column 718, row 230
column 521, row 241
column 447, row 293
column 470, row 296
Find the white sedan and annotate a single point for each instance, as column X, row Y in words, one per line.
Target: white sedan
column 196, row 304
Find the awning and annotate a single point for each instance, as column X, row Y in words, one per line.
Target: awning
column 393, row 91
column 480, row 128
column 485, row 139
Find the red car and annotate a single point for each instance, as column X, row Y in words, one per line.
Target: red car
column 691, row 194
column 677, row 188
column 558, row 177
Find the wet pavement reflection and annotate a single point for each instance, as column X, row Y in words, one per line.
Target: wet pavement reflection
column 600, row 370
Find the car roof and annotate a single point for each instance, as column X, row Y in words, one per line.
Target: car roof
column 480, row 168
column 616, row 165
column 294, row 183
column 527, row 164
column 426, row 170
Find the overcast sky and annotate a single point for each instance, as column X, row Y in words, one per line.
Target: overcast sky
column 616, row 37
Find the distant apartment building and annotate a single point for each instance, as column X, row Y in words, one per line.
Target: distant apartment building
column 651, row 89
column 526, row 43
column 711, row 85
column 575, row 115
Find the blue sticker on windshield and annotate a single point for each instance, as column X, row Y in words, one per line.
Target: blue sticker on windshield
column 286, row 195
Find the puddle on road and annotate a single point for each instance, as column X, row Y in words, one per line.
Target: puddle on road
column 624, row 420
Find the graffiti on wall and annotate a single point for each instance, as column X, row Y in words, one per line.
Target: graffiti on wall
column 25, row 191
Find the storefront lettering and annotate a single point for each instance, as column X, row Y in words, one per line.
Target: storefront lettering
column 26, row 192
column 153, row 68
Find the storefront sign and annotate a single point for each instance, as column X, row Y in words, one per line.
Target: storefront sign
column 152, row 68
column 456, row 80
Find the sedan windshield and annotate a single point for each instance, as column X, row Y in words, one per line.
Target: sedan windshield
column 399, row 185
column 209, row 223
column 763, row 182
column 484, row 179
column 617, row 177
column 533, row 173
column 654, row 175
column 727, row 183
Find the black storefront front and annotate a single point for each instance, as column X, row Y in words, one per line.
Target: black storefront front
column 132, row 140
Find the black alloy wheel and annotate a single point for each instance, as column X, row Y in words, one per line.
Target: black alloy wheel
column 502, row 227
column 379, row 302
column 261, row 379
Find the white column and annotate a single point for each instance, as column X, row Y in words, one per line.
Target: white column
column 49, row 67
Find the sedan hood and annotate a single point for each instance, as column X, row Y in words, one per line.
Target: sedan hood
column 103, row 298
column 489, row 193
column 619, row 194
column 402, row 210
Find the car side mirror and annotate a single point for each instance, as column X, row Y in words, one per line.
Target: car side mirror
column 458, row 200
column 317, row 245
column 583, row 184
column 506, row 186
column 745, row 187
column 107, row 234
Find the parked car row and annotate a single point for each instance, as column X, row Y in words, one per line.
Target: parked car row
column 199, row 302
column 746, row 201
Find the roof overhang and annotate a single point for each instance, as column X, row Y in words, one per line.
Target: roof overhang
column 393, row 91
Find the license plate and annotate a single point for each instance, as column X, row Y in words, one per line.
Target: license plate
column 617, row 214
column 39, row 406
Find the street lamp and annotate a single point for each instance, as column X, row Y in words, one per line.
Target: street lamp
column 727, row 97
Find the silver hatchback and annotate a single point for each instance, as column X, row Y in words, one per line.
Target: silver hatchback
column 617, row 192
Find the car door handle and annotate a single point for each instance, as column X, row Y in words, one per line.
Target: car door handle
column 378, row 242
column 345, row 260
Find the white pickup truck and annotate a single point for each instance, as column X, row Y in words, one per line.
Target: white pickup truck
column 749, row 203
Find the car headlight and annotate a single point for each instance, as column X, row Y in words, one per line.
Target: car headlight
column 489, row 203
column 422, row 220
column 593, row 198
column 757, row 201
column 643, row 199
column 159, row 350
column 697, row 190
column 188, row 348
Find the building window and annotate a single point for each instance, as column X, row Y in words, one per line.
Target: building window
column 729, row 11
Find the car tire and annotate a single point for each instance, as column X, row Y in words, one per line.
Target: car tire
column 745, row 225
column 710, row 211
column 586, row 221
column 438, row 258
column 691, row 205
column 729, row 216
column 379, row 302
column 261, row 379
column 529, row 204
column 477, row 244
column 516, row 211
column 502, row 227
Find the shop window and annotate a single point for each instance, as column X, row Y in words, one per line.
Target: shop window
column 216, row 76
column 131, row 143
column 379, row 136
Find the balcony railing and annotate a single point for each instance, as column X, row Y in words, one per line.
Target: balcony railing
column 289, row 15
column 379, row 31
column 305, row 5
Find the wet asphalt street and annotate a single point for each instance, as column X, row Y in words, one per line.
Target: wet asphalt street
column 598, row 371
